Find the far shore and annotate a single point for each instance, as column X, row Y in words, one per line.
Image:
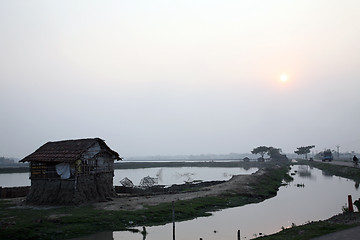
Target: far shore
column 151, row 164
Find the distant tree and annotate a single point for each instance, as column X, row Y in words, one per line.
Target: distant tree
column 274, row 152
column 5, row 160
column 262, row 150
column 304, row 150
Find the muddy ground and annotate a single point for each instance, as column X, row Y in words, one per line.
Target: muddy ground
column 240, row 184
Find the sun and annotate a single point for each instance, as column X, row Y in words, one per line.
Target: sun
column 284, row 78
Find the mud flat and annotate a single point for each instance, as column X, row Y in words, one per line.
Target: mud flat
column 251, row 186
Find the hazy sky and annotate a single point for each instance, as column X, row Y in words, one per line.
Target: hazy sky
column 180, row 77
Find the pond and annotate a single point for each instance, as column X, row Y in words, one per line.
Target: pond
column 169, row 176
column 165, row 175
column 311, row 196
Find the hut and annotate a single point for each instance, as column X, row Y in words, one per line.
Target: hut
column 71, row 172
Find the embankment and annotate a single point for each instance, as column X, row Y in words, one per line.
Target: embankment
column 14, row 192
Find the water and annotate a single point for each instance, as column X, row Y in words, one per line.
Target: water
column 169, row 176
column 14, row 179
column 321, row 197
column 166, row 176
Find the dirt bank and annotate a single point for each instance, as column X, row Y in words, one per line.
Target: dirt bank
column 240, row 185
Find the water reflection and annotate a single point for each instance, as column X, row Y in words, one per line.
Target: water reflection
column 136, row 235
column 169, row 176
column 144, row 233
column 305, row 172
column 98, row 236
column 326, row 174
column 247, row 168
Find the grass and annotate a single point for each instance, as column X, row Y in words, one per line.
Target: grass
column 84, row 220
column 268, row 184
column 337, row 170
column 307, row 231
column 73, row 221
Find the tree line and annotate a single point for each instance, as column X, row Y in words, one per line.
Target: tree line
column 275, row 153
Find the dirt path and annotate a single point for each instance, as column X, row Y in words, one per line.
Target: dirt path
column 340, row 163
column 348, row 234
column 240, row 184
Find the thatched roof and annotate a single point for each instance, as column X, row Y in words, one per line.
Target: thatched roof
column 66, row 151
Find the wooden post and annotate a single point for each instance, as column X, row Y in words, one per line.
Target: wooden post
column 351, row 208
column 238, row 235
column 173, row 218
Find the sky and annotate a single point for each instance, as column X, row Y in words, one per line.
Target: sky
column 180, row 77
